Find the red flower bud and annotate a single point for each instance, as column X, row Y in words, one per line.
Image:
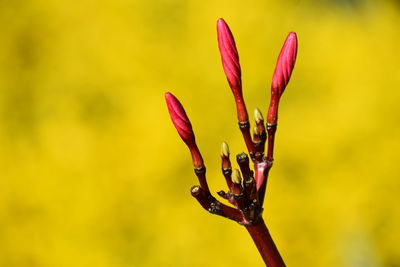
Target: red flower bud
column 180, row 119
column 229, row 57
column 282, row 73
column 184, row 128
column 231, row 65
column 285, row 64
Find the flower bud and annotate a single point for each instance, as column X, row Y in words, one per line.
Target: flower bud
column 224, row 149
column 282, row 73
column 258, row 116
column 229, row 56
column 230, row 63
column 185, row 131
column 236, row 177
column 180, row 119
column 284, row 64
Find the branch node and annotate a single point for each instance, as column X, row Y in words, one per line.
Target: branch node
column 200, row 170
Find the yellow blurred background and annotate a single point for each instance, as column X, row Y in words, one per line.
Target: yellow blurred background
column 92, row 172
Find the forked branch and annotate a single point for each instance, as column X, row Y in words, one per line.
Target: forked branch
column 246, row 188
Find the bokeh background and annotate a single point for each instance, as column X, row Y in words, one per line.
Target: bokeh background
column 92, row 172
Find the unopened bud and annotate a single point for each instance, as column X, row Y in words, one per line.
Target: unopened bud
column 229, row 56
column 231, row 65
column 285, row 64
column 236, row 177
column 180, row 119
column 225, row 149
column 258, row 116
column 184, row 128
column 282, row 73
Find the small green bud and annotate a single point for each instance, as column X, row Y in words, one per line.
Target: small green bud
column 225, row 149
column 236, row 177
column 258, row 116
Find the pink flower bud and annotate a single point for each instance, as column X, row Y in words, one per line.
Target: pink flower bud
column 229, row 56
column 180, row 119
column 230, row 63
column 282, row 73
column 184, row 128
column 284, row 65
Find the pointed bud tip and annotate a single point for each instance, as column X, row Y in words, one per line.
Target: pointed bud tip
column 291, row 40
column 236, row 177
column 225, row 149
column 168, row 94
column 292, row 35
column 220, row 21
column 258, row 115
column 169, row 97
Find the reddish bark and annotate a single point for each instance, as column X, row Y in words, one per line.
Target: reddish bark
column 247, row 194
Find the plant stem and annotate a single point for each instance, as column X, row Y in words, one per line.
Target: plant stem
column 245, row 129
column 271, row 129
column 265, row 245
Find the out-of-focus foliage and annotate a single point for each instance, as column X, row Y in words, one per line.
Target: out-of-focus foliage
column 92, row 172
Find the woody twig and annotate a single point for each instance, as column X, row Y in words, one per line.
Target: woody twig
column 246, row 187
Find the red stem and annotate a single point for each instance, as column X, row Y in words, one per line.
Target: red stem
column 209, row 203
column 265, row 245
column 245, row 129
column 201, row 176
column 262, row 170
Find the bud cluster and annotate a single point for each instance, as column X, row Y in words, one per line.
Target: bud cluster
column 246, row 187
